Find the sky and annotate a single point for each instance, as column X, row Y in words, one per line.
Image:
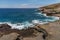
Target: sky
column 26, row 3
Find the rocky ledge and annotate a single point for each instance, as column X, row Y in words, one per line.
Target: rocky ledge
column 51, row 10
column 50, row 31
column 6, row 33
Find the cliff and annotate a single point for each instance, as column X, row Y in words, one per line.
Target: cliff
column 51, row 10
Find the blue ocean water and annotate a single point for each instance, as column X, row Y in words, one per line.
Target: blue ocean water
column 17, row 15
column 24, row 17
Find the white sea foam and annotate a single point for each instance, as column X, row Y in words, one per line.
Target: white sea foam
column 25, row 25
column 35, row 21
column 41, row 14
column 32, row 24
column 54, row 17
column 38, row 22
column 18, row 25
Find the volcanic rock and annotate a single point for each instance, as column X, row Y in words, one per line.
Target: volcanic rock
column 11, row 36
column 5, row 30
column 51, row 10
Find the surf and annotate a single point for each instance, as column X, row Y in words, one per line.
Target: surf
column 24, row 18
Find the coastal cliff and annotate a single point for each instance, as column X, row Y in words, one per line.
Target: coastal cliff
column 51, row 10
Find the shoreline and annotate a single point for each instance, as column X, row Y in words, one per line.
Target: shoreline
column 49, row 27
column 47, row 31
column 21, row 26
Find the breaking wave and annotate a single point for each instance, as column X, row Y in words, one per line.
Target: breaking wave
column 32, row 23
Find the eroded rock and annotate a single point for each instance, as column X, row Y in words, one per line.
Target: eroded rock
column 5, row 29
column 11, row 36
column 51, row 10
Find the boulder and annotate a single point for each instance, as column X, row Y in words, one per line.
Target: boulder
column 5, row 26
column 11, row 36
column 5, row 29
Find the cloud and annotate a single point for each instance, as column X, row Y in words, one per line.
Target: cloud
column 26, row 6
column 26, row 3
column 18, row 6
column 34, row 0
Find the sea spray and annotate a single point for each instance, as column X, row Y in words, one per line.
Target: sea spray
column 24, row 18
column 38, row 22
column 27, row 24
column 41, row 14
column 18, row 25
column 52, row 17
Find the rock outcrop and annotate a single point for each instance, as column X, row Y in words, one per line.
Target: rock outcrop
column 5, row 30
column 51, row 10
column 11, row 36
column 38, row 32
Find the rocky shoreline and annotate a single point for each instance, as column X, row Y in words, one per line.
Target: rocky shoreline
column 5, row 29
column 51, row 10
column 49, row 31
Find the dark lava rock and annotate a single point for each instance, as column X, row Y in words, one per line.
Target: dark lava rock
column 11, row 36
column 5, row 26
column 5, row 29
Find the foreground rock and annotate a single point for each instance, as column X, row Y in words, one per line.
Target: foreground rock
column 38, row 37
column 5, row 30
column 52, row 28
column 11, row 36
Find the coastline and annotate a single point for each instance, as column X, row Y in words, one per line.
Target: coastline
column 47, row 31
column 52, row 28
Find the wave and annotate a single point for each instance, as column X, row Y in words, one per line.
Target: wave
column 18, row 25
column 27, row 24
column 23, row 25
column 38, row 22
column 53, row 17
column 41, row 14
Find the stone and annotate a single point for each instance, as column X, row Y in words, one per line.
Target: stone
column 11, row 36
column 5, row 26
column 51, row 10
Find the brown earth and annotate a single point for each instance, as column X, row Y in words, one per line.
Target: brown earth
column 53, row 30
column 50, row 10
column 6, row 32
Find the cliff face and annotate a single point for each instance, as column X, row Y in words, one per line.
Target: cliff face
column 51, row 10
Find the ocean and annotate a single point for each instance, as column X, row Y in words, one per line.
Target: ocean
column 19, row 18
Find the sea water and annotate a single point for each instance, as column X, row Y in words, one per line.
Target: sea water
column 20, row 18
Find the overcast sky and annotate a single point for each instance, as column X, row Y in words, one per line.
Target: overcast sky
column 25, row 3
